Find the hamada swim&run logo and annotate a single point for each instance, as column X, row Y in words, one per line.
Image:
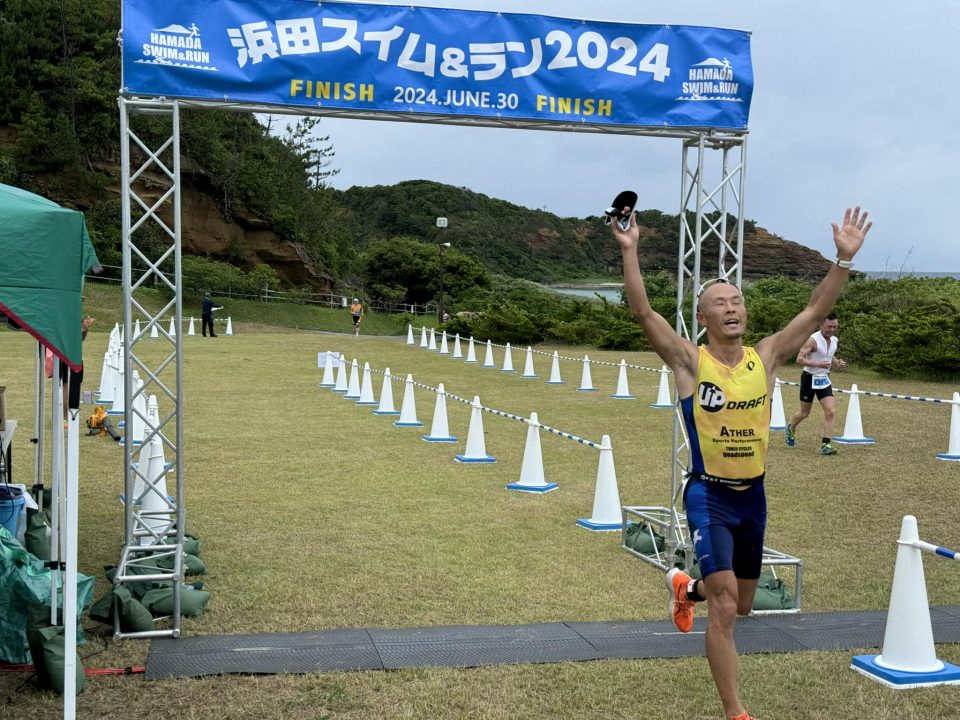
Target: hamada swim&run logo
column 178, row 46
column 711, row 79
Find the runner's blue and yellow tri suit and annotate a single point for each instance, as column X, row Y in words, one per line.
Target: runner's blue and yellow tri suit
column 728, row 424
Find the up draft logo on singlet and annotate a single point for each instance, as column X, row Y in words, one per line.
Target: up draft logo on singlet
column 711, row 397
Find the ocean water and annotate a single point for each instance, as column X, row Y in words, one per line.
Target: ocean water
column 609, row 292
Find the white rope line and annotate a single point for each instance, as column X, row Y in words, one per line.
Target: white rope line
column 493, row 411
column 880, row 394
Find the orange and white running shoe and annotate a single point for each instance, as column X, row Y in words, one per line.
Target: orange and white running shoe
column 681, row 609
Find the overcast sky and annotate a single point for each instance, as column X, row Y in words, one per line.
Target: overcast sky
column 854, row 103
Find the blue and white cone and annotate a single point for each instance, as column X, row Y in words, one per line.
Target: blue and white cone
column 476, row 451
column 586, row 379
column 607, row 515
column 488, row 357
column 953, row 449
column 531, row 471
column 432, row 345
column 909, row 657
column 457, row 350
column 555, row 370
column 423, row 337
column 623, row 389
column 663, row 392
column 410, row 340
column 366, row 387
column 191, row 330
column 353, row 387
column 386, row 396
column 778, row 420
column 507, row 360
column 439, row 431
column 853, row 425
column 528, row 371
column 328, row 377
column 408, row 409
column 229, row 331
column 471, row 352
column 341, row 385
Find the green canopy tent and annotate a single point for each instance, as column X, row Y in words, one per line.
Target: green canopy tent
column 46, row 251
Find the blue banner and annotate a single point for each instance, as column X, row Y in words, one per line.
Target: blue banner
column 429, row 61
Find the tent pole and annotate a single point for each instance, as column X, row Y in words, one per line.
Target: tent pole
column 56, row 440
column 70, row 559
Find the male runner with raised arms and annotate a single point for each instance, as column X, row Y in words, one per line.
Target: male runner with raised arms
column 724, row 389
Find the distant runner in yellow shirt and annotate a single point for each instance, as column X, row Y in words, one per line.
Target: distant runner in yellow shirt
column 724, row 389
column 356, row 311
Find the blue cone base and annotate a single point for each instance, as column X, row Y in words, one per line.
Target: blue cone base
column 508, row 371
column 947, row 456
column 338, row 391
column 538, row 489
column 530, row 377
column 654, row 405
column 586, row 389
column 470, row 362
column 624, row 397
column 329, row 385
column 555, row 382
column 386, row 412
column 367, row 402
column 408, row 424
column 122, row 424
column 431, row 438
column 135, row 443
column 114, row 412
column 866, row 664
column 470, row 460
column 348, row 396
column 854, row 441
column 599, row 527
column 778, row 427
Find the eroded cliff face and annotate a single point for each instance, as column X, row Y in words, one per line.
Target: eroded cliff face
column 240, row 238
column 768, row 255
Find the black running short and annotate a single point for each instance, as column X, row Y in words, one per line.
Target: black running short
column 808, row 392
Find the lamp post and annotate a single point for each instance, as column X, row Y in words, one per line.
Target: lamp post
column 441, row 223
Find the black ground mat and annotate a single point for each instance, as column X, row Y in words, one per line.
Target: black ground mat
column 476, row 645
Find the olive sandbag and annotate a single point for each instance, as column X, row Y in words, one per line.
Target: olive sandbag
column 35, row 538
column 54, row 659
column 46, row 648
column 192, row 565
column 192, row 602
column 641, row 538
column 191, row 544
column 772, row 594
column 134, row 617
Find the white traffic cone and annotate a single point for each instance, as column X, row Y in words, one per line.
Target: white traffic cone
column 531, row 471
column 173, row 328
column 423, row 337
column 488, row 356
column 528, row 371
column 432, row 340
column 104, row 375
column 191, row 330
column 607, row 515
column 155, row 509
column 507, row 360
column 328, row 378
column 471, row 352
column 386, row 396
column 476, row 451
column 555, row 370
column 953, row 449
column 909, row 658
column 410, row 340
column 341, row 385
column 229, row 330
column 586, row 379
column 439, row 431
column 778, row 420
column 353, row 386
column 136, row 329
column 853, row 426
column 663, row 392
column 444, row 347
column 623, row 389
column 366, row 387
column 110, row 383
column 154, row 333
column 118, row 406
column 457, row 350
column 139, row 408
column 408, row 409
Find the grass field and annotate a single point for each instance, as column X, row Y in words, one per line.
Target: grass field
column 315, row 514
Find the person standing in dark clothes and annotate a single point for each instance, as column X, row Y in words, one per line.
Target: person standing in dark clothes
column 206, row 317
